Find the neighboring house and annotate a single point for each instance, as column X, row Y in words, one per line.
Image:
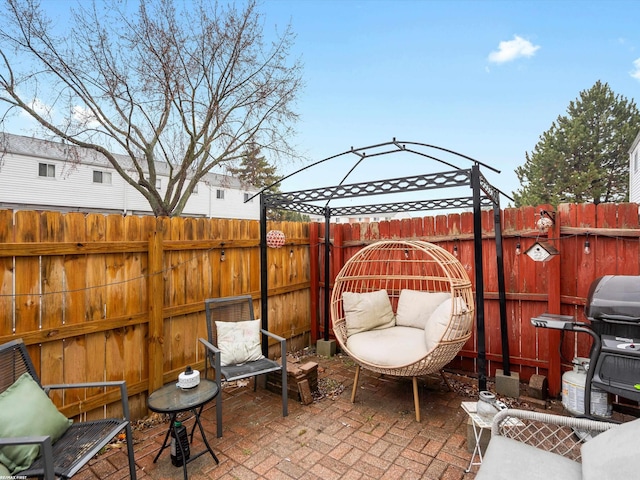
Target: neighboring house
column 634, row 170
column 364, row 219
column 43, row 175
column 360, row 219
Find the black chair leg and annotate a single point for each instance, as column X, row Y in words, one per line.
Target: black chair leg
column 132, row 460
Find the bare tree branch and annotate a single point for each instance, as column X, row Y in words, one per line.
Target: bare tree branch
column 179, row 88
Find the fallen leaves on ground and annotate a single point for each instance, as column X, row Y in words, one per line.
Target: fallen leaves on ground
column 327, row 388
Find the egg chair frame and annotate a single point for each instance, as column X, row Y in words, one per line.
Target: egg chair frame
column 395, row 266
column 317, row 201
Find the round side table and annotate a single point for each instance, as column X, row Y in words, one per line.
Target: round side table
column 173, row 400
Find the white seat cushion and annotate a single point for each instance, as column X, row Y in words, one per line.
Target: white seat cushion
column 390, row 347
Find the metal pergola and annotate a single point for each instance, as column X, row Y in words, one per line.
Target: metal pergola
column 317, row 201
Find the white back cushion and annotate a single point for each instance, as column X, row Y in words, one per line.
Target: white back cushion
column 239, row 342
column 437, row 324
column 415, row 307
column 367, row 311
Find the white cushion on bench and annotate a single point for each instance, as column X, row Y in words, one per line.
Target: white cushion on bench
column 389, row 347
column 613, row 454
column 508, row 459
column 415, row 307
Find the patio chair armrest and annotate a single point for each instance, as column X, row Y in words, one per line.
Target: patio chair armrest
column 502, row 426
column 124, row 397
column 283, row 347
column 216, row 359
column 58, row 386
column 46, row 451
column 210, row 346
column 273, row 335
column 553, row 433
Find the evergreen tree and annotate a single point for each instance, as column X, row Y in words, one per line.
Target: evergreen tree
column 584, row 156
column 255, row 170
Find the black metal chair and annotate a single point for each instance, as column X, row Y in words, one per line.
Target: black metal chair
column 237, row 309
column 81, row 441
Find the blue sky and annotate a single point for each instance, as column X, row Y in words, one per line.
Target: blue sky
column 483, row 78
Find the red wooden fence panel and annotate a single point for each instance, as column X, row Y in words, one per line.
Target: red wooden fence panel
column 611, row 230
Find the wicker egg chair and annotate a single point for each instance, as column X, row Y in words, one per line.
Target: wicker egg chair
column 414, row 265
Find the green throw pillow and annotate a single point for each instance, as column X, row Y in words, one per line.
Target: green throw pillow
column 25, row 410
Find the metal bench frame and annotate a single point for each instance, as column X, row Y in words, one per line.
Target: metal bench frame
column 82, row 441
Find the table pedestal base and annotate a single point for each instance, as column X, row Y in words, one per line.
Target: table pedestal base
column 167, row 441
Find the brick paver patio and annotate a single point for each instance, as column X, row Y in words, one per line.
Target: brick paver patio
column 375, row 438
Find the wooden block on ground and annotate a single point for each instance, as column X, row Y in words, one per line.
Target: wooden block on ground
column 296, row 373
column 305, row 392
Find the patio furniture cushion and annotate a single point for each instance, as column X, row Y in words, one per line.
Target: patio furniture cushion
column 388, row 347
column 612, row 454
column 26, row 410
column 439, row 326
column 367, row 311
column 415, row 307
column 507, row 459
column 239, row 342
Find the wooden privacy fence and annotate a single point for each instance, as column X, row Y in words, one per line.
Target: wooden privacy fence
column 557, row 286
column 100, row 297
column 110, row 297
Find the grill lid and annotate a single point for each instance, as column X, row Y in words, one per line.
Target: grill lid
column 614, row 297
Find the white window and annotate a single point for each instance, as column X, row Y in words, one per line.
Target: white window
column 247, row 196
column 46, row 170
column 220, row 194
column 195, row 189
column 101, row 177
column 159, row 184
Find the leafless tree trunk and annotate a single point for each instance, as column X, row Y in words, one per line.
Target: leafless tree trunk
column 178, row 88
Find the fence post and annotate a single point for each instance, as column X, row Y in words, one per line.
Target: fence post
column 156, row 304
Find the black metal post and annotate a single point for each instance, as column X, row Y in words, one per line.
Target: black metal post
column 477, row 244
column 327, row 269
column 502, row 296
column 264, row 269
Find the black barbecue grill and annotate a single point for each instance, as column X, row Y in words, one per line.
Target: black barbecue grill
column 613, row 309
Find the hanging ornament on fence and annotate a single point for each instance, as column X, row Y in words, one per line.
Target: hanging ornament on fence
column 275, row 239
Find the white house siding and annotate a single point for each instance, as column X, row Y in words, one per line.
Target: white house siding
column 73, row 188
column 634, row 171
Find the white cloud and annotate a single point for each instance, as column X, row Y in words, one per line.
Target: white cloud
column 635, row 73
column 84, row 116
column 513, row 49
column 39, row 107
